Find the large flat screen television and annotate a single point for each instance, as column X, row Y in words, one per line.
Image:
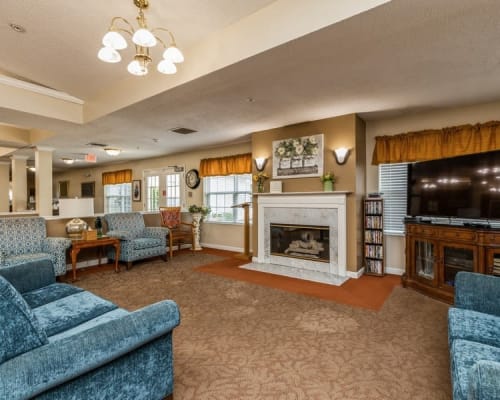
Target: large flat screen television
column 465, row 187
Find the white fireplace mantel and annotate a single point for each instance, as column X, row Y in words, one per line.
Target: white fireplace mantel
column 309, row 208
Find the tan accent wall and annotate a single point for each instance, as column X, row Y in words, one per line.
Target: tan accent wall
column 345, row 131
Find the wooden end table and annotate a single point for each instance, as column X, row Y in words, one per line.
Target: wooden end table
column 78, row 244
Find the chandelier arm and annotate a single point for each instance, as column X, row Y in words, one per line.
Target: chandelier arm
column 172, row 39
column 116, row 28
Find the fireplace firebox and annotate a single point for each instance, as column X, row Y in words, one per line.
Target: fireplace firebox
column 308, row 242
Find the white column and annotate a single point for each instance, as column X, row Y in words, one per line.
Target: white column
column 4, row 183
column 19, row 183
column 43, row 180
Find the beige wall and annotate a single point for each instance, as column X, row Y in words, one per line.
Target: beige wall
column 345, row 131
column 225, row 236
column 395, row 245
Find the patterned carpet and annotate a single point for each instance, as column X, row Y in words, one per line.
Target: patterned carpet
column 239, row 340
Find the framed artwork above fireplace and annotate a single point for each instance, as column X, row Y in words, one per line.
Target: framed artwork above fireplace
column 300, row 157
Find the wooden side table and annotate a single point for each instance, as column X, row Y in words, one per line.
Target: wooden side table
column 78, row 244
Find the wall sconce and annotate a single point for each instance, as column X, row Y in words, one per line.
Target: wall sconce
column 260, row 163
column 341, row 155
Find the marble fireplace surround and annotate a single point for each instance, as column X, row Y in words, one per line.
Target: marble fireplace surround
column 310, row 208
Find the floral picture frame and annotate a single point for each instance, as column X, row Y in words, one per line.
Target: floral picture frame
column 300, row 157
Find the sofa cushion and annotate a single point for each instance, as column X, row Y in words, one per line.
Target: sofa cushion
column 71, row 311
column 464, row 355
column 20, row 330
column 29, row 276
column 101, row 319
column 473, row 326
column 145, row 243
column 50, row 293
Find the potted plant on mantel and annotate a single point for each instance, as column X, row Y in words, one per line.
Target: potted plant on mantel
column 328, row 180
column 198, row 213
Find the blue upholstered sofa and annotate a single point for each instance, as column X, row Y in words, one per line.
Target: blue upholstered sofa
column 59, row 342
column 474, row 337
column 137, row 241
column 24, row 239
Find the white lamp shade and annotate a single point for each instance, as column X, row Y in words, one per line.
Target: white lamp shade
column 143, row 37
column 109, row 55
column 71, row 208
column 135, row 68
column 114, row 40
column 167, row 67
column 173, row 54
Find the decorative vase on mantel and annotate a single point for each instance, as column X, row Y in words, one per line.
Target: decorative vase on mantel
column 197, row 218
column 328, row 186
column 260, row 186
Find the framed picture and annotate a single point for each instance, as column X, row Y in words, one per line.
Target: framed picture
column 136, row 190
column 298, row 157
column 88, row 189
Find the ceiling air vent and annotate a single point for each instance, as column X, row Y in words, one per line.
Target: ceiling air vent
column 97, row 144
column 182, row 131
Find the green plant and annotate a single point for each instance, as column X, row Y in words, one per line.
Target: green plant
column 203, row 210
column 328, row 176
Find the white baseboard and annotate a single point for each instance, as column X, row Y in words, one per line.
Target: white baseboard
column 87, row 263
column 222, row 247
column 357, row 274
column 394, row 271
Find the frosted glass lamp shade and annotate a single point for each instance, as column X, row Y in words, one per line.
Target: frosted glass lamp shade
column 136, row 68
column 143, row 37
column 173, row 54
column 341, row 155
column 167, row 67
column 109, row 55
column 114, row 40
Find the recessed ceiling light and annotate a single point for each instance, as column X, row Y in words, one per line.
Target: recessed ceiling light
column 111, row 151
column 17, row 28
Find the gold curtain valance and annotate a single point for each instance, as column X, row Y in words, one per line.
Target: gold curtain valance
column 437, row 143
column 238, row 164
column 115, row 177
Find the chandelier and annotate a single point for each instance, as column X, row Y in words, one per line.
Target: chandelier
column 143, row 39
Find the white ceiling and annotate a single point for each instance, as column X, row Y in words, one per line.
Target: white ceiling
column 402, row 56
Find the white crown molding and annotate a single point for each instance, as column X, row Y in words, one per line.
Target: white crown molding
column 31, row 87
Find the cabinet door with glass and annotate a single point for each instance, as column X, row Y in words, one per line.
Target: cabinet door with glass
column 455, row 258
column 493, row 261
column 424, row 254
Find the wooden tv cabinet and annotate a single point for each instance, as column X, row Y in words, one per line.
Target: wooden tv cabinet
column 435, row 253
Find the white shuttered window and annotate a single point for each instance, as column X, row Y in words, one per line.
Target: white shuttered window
column 393, row 183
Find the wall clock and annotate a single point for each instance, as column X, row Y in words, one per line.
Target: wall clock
column 192, row 179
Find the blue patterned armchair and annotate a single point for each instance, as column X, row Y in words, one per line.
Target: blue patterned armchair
column 24, row 239
column 137, row 241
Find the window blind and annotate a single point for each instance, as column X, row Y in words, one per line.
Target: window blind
column 393, row 182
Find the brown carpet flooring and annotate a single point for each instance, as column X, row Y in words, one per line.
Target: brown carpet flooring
column 242, row 340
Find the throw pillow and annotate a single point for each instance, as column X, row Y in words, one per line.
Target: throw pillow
column 20, row 330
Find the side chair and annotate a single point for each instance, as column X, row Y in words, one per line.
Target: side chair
column 179, row 232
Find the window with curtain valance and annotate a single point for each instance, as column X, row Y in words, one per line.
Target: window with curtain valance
column 437, row 143
column 117, row 177
column 230, row 165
